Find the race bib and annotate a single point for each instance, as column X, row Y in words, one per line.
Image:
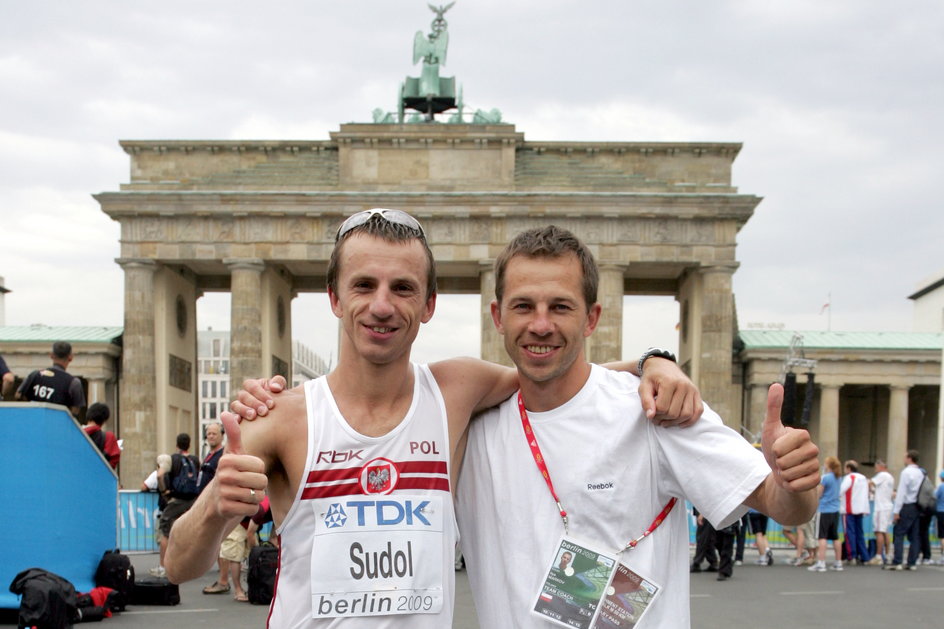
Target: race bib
column 576, row 582
column 377, row 555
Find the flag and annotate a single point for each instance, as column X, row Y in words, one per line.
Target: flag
column 823, row 309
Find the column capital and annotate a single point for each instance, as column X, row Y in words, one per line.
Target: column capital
column 245, row 264
column 613, row 266
column 722, row 267
column 136, row 263
column 900, row 387
column 830, row 385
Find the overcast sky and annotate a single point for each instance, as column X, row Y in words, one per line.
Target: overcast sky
column 838, row 104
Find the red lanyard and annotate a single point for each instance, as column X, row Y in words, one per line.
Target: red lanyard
column 542, row 467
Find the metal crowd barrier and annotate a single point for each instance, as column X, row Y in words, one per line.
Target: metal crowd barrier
column 137, row 522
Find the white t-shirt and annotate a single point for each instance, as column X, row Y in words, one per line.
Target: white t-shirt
column 884, row 486
column 614, row 471
column 151, row 481
column 859, row 499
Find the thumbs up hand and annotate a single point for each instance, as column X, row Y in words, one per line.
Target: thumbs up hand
column 240, row 480
column 791, row 454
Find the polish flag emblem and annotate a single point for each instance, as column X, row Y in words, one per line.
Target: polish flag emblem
column 379, row 476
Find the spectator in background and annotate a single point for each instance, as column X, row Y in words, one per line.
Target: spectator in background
column 154, row 482
column 854, row 505
column 939, row 495
column 925, row 519
column 906, row 513
column 883, row 484
column 234, row 550
column 6, row 379
column 182, row 489
column 96, row 416
column 829, row 516
column 55, row 385
column 704, row 544
column 739, row 540
column 803, row 539
column 214, row 439
column 724, row 545
column 759, row 528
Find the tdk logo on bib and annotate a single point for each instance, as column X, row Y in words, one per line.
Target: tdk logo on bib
column 335, row 517
column 373, row 514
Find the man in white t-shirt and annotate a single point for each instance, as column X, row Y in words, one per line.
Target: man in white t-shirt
column 883, row 485
column 575, row 453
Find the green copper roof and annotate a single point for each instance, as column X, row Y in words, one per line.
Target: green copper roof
column 755, row 339
column 53, row 333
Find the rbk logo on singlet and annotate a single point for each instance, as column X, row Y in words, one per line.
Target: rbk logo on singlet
column 376, row 477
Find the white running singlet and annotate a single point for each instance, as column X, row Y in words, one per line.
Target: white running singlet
column 370, row 538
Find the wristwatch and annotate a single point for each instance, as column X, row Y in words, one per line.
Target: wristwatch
column 654, row 351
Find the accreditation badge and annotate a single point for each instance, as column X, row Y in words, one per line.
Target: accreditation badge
column 628, row 598
column 377, row 555
column 575, row 585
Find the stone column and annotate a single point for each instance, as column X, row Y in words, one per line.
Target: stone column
column 717, row 338
column 897, row 428
column 491, row 342
column 828, row 438
column 757, row 410
column 137, row 409
column 606, row 343
column 246, row 331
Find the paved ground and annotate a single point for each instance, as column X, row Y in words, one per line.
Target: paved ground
column 757, row 596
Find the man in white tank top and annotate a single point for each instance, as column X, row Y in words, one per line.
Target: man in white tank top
column 358, row 464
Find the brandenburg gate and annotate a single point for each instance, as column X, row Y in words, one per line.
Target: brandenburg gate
column 258, row 219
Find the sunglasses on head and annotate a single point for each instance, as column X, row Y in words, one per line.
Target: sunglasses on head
column 397, row 217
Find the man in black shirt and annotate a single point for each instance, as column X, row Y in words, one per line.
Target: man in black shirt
column 54, row 384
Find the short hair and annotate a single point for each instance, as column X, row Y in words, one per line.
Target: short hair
column 183, row 441
column 832, row 464
column 61, row 349
column 549, row 242
column 880, row 462
column 98, row 413
column 213, row 423
column 379, row 227
column 914, row 455
column 852, row 465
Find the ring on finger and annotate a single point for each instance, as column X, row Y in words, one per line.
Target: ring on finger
column 252, row 493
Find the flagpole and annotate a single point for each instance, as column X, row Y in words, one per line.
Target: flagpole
column 829, row 318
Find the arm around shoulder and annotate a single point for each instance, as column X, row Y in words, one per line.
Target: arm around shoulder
column 478, row 383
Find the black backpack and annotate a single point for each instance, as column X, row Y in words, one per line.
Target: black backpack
column 263, row 561
column 184, row 483
column 48, row 601
column 116, row 572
